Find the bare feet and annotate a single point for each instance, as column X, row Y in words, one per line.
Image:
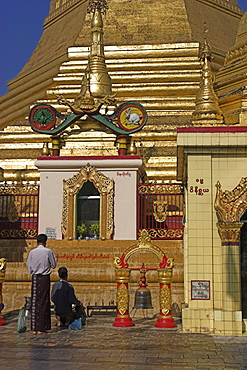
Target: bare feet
column 41, row 332
column 33, row 332
column 59, row 322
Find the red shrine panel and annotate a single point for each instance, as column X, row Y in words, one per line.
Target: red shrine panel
column 161, row 210
column 19, row 206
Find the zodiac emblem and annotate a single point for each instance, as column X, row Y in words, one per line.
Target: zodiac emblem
column 133, row 118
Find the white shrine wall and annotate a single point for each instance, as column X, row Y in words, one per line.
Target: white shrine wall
column 125, row 171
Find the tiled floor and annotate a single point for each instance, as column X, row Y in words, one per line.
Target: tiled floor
column 99, row 345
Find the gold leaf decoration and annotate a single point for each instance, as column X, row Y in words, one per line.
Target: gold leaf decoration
column 122, row 299
column 159, row 210
column 165, row 299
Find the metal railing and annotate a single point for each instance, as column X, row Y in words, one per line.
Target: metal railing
column 161, row 210
column 19, row 206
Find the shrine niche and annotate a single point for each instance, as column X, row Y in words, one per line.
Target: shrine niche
column 104, row 185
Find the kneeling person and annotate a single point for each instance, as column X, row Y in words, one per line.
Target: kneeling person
column 63, row 297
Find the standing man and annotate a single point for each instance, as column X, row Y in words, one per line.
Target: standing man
column 39, row 263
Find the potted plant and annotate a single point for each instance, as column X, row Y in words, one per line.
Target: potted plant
column 81, row 230
column 95, row 229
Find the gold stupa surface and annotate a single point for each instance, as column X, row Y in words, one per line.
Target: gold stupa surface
column 151, row 50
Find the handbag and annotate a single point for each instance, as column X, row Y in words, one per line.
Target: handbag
column 21, row 323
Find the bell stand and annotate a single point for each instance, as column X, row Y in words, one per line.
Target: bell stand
column 122, row 274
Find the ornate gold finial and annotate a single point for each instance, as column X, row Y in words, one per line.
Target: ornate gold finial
column 207, row 111
column 45, row 149
column 100, row 82
column 97, row 4
column 132, row 150
column 85, row 100
column 96, row 84
column 206, row 50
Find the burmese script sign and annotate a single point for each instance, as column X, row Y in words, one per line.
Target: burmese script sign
column 91, row 256
column 200, row 289
column 51, row 232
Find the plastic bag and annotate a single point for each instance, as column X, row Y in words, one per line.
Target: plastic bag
column 76, row 325
column 21, row 324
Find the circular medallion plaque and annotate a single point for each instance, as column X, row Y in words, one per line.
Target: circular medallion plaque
column 131, row 116
column 42, row 117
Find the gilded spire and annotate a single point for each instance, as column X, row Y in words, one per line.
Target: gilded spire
column 96, row 85
column 85, row 100
column 97, row 4
column 100, row 82
column 207, row 109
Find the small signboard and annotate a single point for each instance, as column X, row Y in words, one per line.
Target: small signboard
column 200, row 289
column 51, row 232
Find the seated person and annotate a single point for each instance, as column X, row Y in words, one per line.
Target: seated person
column 63, row 297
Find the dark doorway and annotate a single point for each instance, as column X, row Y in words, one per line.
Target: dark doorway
column 88, row 207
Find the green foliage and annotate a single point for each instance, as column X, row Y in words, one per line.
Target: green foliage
column 81, row 229
column 95, row 229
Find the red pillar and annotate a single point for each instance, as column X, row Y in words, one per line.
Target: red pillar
column 123, row 319
column 165, row 319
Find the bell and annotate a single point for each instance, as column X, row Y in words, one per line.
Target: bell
column 143, row 298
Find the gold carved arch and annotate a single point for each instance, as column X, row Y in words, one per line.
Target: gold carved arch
column 144, row 244
column 229, row 206
column 104, row 185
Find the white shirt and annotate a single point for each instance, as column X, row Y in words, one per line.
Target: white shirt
column 41, row 260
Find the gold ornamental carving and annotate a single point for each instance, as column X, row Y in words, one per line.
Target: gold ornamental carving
column 164, row 233
column 165, row 300
column 21, row 233
column 229, row 231
column 104, row 185
column 230, row 205
column 19, row 190
column 160, row 189
column 144, row 243
column 160, row 210
column 122, row 299
column 165, row 274
column 3, row 263
column 122, row 275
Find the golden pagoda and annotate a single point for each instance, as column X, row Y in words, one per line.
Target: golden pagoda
column 147, row 58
